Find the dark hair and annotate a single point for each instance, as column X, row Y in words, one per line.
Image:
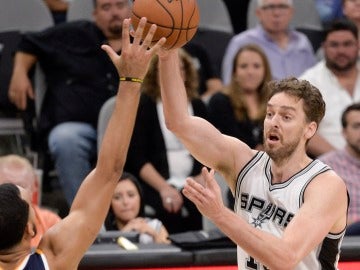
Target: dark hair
column 110, row 222
column 14, row 215
column 352, row 107
column 314, row 105
column 341, row 24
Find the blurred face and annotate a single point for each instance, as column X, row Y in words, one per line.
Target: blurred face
column 351, row 10
column 109, row 15
column 284, row 126
column 275, row 15
column 341, row 50
column 125, row 201
column 352, row 132
column 249, row 71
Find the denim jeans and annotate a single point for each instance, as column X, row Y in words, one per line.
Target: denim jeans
column 74, row 149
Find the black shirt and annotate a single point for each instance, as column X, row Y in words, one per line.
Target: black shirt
column 80, row 76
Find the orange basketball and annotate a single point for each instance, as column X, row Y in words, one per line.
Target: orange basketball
column 177, row 20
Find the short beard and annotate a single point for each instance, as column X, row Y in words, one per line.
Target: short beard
column 283, row 153
column 355, row 148
column 334, row 66
column 115, row 31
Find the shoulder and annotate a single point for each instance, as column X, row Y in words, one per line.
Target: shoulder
column 314, row 71
column 245, row 36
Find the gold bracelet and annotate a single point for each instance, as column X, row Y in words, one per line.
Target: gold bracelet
column 131, row 79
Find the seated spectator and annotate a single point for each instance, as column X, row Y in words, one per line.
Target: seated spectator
column 159, row 159
column 289, row 52
column 329, row 10
column 351, row 10
column 18, row 170
column 338, row 79
column 58, row 9
column 238, row 14
column 127, row 212
column 80, row 78
column 239, row 110
column 346, row 163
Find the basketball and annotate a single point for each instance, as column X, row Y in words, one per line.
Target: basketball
column 177, row 20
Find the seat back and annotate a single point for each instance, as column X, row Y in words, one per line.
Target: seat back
column 28, row 15
column 9, row 41
column 80, row 10
column 305, row 16
column 214, row 15
column 104, row 117
column 215, row 43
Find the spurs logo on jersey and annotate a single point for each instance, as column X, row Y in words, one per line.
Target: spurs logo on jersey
column 271, row 207
column 262, row 211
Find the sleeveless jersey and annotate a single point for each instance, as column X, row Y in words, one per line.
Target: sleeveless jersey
column 35, row 261
column 270, row 207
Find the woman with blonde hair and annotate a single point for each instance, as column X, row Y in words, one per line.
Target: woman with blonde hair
column 239, row 109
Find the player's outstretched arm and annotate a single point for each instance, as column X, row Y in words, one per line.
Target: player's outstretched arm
column 65, row 244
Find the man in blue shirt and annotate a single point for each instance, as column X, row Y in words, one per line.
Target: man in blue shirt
column 289, row 52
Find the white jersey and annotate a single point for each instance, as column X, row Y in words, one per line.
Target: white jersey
column 270, row 207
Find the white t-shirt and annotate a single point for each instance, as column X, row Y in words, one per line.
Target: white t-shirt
column 336, row 98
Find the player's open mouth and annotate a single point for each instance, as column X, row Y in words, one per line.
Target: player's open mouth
column 273, row 137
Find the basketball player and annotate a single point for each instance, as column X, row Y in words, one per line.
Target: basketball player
column 290, row 210
column 63, row 246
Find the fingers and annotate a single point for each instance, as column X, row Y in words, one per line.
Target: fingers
column 110, row 52
column 208, row 176
column 125, row 33
column 139, row 31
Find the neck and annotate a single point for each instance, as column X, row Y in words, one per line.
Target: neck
column 354, row 152
column 281, row 38
column 282, row 170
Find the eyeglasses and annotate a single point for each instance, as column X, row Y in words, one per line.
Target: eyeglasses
column 272, row 7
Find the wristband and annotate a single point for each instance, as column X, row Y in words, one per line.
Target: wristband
column 131, row 79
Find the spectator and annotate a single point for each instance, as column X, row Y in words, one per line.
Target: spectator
column 159, row 159
column 346, row 163
column 351, row 10
column 80, row 78
column 289, row 52
column 127, row 212
column 329, row 10
column 58, row 9
column 18, row 170
column 239, row 110
column 238, row 14
column 338, row 79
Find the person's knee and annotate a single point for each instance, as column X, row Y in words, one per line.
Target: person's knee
column 70, row 136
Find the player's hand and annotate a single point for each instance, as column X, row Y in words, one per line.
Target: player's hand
column 206, row 196
column 135, row 57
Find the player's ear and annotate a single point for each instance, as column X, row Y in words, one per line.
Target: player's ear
column 30, row 230
column 310, row 130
